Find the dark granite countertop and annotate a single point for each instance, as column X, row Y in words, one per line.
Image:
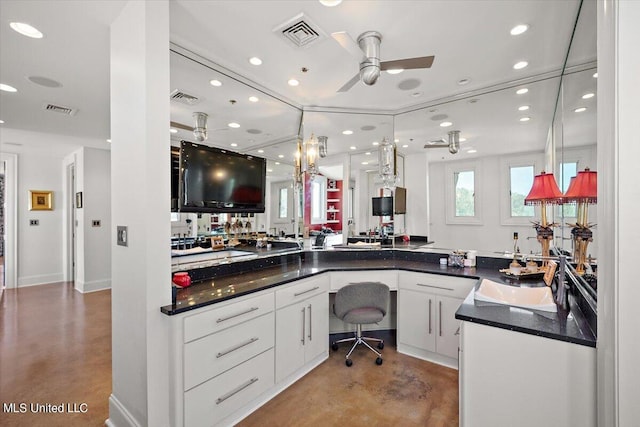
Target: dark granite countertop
column 243, row 278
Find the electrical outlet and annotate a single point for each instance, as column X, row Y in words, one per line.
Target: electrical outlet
column 95, row 223
column 122, row 236
column 34, row 222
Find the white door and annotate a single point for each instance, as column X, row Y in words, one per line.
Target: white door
column 448, row 338
column 317, row 326
column 291, row 336
column 416, row 314
column 282, row 212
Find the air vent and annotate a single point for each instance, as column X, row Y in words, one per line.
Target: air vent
column 300, row 31
column 61, row 109
column 184, row 98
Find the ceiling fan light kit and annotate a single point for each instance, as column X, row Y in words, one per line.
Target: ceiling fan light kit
column 453, row 142
column 200, row 129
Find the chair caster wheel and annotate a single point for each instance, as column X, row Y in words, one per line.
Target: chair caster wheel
column 379, row 361
column 348, row 362
column 381, row 345
column 334, row 346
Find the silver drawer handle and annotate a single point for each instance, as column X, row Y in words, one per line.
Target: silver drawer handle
column 237, row 347
column 222, row 319
column 440, row 316
column 236, row 391
column 435, row 287
column 429, row 316
column 310, row 322
column 304, row 292
column 304, row 317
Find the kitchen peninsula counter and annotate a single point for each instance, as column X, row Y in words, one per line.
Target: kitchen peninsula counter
column 224, row 282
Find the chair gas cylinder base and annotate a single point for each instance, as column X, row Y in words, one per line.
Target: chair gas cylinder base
column 361, row 303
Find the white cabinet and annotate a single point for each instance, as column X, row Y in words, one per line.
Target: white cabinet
column 427, row 327
column 302, row 325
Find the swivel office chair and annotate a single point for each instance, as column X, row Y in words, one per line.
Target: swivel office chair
column 359, row 304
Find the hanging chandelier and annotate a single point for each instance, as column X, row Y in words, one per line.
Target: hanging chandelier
column 387, row 167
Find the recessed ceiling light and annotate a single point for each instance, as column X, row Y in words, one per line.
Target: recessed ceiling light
column 261, row 151
column 233, row 144
column 109, row 141
column 445, row 124
column 7, row 88
column 173, row 130
column 520, row 65
column 26, row 30
column 463, row 82
column 365, row 163
column 215, row 83
column 269, row 170
column 519, row 29
column 277, row 163
column 525, row 119
column 588, row 95
column 580, row 109
column 330, row 3
column 1, row 122
column 523, row 108
column 281, row 156
column 347, row 132
column 395, row 70
column 461, row 139
column 375, row 143
column 353, row 147
column 368, row 153
column 253, row 99
column 255, row 60
column 595, row 75
column 472, row 151
column 405, row 146
column 233, row 125
column 522, row 91
column 293, row 82
column 396, row 140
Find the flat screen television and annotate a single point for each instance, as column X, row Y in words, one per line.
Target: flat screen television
column 213, row 180
column 382, row 206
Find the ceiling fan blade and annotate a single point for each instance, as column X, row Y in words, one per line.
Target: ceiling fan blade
column 181, row 126
column 408, row 64
column 348, row 43
column 435, row 145
column 348, row 85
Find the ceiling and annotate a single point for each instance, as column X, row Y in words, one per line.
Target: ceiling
column 470, row 40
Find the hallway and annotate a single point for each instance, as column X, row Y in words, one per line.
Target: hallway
column 55, row 348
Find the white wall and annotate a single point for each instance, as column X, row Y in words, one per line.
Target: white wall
column 93, row 179
column 416, row 178
column 39, row 247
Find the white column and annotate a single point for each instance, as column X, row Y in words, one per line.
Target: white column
column 618, row 211
column 140, row 185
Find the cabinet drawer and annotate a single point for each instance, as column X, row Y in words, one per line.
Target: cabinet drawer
column 211, row 355
column 209, row 403
column 436, row 283
column 219, row 318
column 343, row 278
column 302, row 290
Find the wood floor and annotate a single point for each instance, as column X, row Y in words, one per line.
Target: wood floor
column 55, row 348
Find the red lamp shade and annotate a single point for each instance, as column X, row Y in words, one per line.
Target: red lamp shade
column 544, row 189
column 583, row 187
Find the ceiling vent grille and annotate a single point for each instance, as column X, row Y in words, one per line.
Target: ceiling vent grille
column 300, row 31
column 184, row 98
column 61, row 109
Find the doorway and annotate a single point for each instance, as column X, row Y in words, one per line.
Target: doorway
column 8, row 218
column 282, row 208
column 72, row 223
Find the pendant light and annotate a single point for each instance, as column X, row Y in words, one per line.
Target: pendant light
column 310, row 156
column 387, row 167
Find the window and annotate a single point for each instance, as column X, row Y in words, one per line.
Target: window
column 465, row 194
column 462, row 185
column 283, row 203
column 567, row 171
column 520, row 183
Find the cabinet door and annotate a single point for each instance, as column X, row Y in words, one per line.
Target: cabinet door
column 317, row 340
column 291, row 336
column 448, row 336
column 416, row 314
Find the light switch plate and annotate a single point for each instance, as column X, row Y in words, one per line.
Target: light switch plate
column 122, row 236
column 95, row 223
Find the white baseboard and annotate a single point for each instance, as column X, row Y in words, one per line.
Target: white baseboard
column 41, row 279
column 119, row 416
column 93, row 286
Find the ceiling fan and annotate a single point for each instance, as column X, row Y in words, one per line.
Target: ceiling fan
column 199, row 130
column 453, row 143
column 367, row 50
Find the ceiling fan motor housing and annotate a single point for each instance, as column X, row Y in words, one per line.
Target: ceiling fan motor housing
column 369, row 43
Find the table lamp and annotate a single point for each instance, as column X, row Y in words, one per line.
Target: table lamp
column 544, row 191
column 582, row 190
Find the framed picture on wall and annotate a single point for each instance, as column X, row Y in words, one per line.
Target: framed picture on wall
column 40, row 200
